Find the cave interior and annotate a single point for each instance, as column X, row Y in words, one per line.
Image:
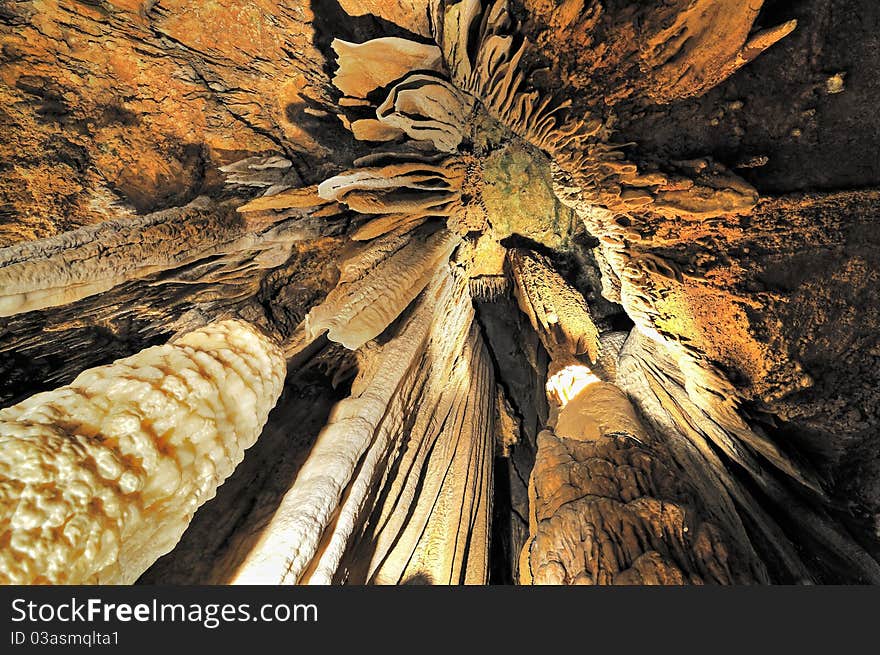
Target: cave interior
column 439, row 292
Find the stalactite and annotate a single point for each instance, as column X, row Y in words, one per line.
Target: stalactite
column 488, row 288
column 433, row 526
column 707, row 388
column 364, row 67
column 291, row 540
column 360, row 309
column 401, row 194
column 92, row 260
column 102, row 476
column 426, row 108
column 556, row 310
column 272, row 173
column 648, row 285
column 689, row 47
column 484, row 50
column 661, row 388
column 593, row 428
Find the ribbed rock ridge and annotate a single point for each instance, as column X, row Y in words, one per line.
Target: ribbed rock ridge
column 396, row 487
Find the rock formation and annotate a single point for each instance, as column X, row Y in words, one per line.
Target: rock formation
column 568, row 291
column 102, row 476
column 604, row 509
column 421, row 406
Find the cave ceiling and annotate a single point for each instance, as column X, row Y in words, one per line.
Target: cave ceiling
column 568, row 291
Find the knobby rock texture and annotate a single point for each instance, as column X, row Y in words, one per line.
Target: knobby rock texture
column 491, row 291
column 100, row 477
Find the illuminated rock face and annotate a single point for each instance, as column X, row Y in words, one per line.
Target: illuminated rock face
column 360, row 309
column 379, row 186
column 102, row 476
column 606, row 509
column 557, row 311
column 396, row 488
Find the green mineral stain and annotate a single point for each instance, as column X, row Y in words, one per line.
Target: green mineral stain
column 519, row 196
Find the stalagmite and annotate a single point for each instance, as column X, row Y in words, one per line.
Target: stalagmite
column 605, row 509
column 100, row 477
